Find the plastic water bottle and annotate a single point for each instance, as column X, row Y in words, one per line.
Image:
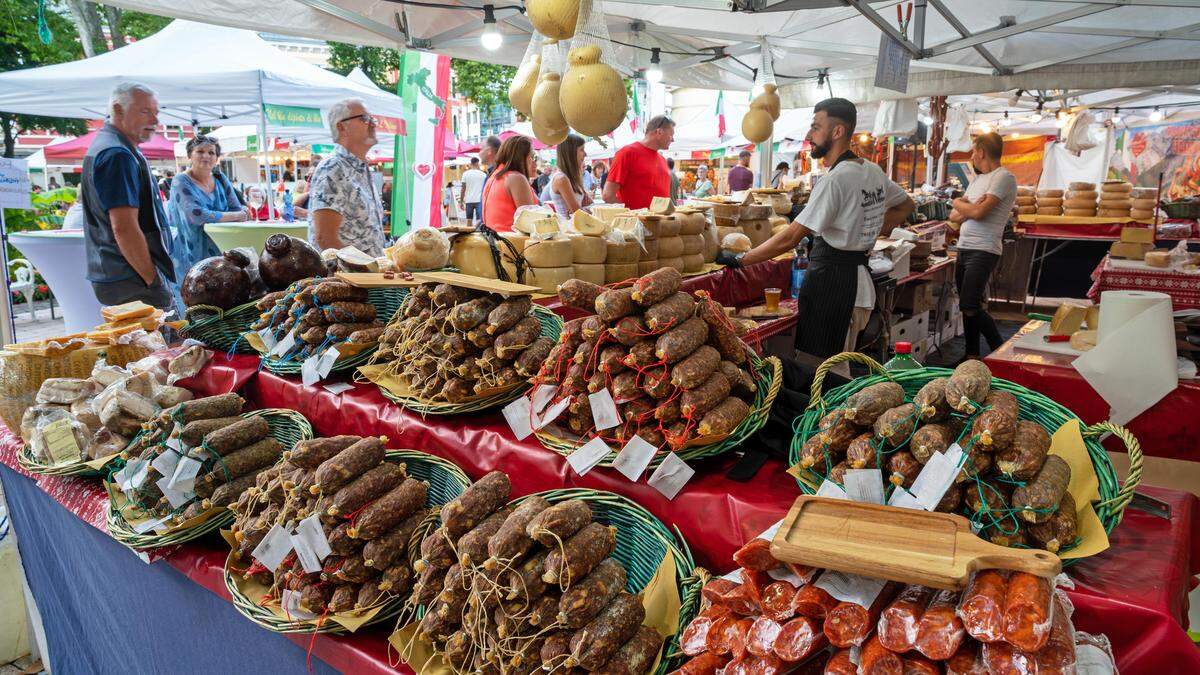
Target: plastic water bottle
column 799, row 267
column 903, row 359
column 289, row 210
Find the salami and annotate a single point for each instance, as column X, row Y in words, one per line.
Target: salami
column 641, row 355
column 1027, row 452
column 968, row 386
column 693, row 639
column 813, row 602
column 525, row 582
column 628, row 330
column 692, row 371
column 982, row 606
column 396, row 578
column 392, row 546
column 861, row 453
column 721, row 332
column 223, row 405
column 992, row 431
column 437, row 550
column 193, row 433
column 695, row 403
column 966, row 661
column 849, row 624
column 510, row 344
column 931, row 400
column 472, row 547
column 615, row 303
column 760, row 640
column 941, row 631
column 257, row 455
column 555, row 524
column 899, row 621
column 798, row 638
column 475, row 504
column 1027, row 608
column 508, row 313
column 756, row 555
column 584, row 600
column 579, row 555
column 531, row 359
column 555, row 649
column 903, row 467
column 723, row 419
column 841, row 663
column 637, row 654
column 896, row 424
column 876, row 659
column 309, row 454
column 928, row 440
column 670, row 312
column 1001, row 657
column 511, row 541
column 1060, row 531
column 704, row 663
column 680, row 341
column 595, row 643
column 355, row 460
column 866, row 405
column 368, row 487
column 236, row 436
column 656, row 286
column 918, row 665
column 1039, row 498
column 776, row 601
column 1058, row 654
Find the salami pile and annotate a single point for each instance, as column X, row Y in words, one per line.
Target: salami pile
column 454, row 344
column 366, row 507
column 1008, row 485
column 672, row 362
column 526, row 586
column 322, row 312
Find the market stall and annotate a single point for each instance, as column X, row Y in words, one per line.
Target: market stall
column 1135, row 275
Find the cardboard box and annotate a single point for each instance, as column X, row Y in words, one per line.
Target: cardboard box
column 921, row 349
column 916, row 298
column 909, row 329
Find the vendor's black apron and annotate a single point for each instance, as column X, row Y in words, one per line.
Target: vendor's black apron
column 826, row 303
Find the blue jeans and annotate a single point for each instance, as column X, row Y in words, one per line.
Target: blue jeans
column 474, row 211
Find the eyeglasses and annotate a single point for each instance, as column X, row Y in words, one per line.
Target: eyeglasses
column 365, row 117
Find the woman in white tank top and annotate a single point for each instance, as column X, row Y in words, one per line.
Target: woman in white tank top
column 566, row 185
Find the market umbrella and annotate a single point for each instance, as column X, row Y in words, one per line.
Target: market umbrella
column 157, row 147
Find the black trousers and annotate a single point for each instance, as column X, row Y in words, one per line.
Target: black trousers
column 972, row 271
column 826, row 302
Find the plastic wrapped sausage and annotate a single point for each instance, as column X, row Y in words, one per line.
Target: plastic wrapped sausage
column 579, row 555
column 692, row 371
column 756, row 555
column 1027, row 611
column 628, row 330
column 579, row 294
column 896, row 424
column 875, row 659
column 849, row 624
column 813, row 602
column 724, row 418
column 670, row 312
column 919, row 665
column 940, row 631
column 967, row 660
column 841, row 663
column 931, row 401
column 595, row 643
column 981, row 607
column 680, row 341
column 798, row 639
column 899, row 620
column 1058, row 654
column 615, row 303
column 475, row 503
column 355, row 460
column 865, row 406
column 1027, row 452
column 968, row 386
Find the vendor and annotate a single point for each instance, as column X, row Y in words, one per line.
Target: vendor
column 345, row 209
column 199, row 196
column 980, row 217
column 851, row 206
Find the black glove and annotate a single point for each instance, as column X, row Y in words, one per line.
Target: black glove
column 729, row 258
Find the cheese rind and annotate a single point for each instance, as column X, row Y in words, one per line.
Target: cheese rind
column 1128, row 250
column 547, row 279
column 589, row 272
column 1137, row 235
column 556, row 252
column 614, row 273
column 663, row 206
column 1158, row 258
column 588, row 250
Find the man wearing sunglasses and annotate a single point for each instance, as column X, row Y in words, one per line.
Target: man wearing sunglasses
column 344, row 207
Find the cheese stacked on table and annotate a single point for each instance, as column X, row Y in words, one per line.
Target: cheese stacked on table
column 1142, row 204
column 588, row 246
column 1026, row 200
column 624, row 251
column 1080, row 200
column 1115, row 201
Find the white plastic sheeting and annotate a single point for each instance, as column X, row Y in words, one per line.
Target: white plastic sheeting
column 896, row 118
column 1060, row 166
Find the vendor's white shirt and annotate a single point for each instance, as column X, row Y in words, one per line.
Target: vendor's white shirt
column 846, row 209
column 986, row 234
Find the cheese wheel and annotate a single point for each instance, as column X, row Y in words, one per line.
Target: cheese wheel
column 723, row 232
column 1079, row 203
column 651, row 224
column 1049, row 211
column 668, row 227
column 517, row 239
column 677, row 263
column 1120, row 187
column 1027, row 210
column 693, row 263
column 1081, row 186
column 1158, row 258
column 1049, row 193
column 645, row 267
column 691, row 223
column 1143, row 193
column 1116, row 203
column 1050, row 201
column 625, row 252
column 615, row 273
column 725, row 221
column 670, row 247
column 1026, row 201
column 1143, row 204
column 1076, row 194
column 547, row 279
column 588, row 250
column 759, row 230
column 649, row 250
column 549, row 253
column 589, row 272
column 1141, row 214
column 473, row 255
column 692, row 244
column 1113, row 213
column 1079, row 213
column 1024, row 191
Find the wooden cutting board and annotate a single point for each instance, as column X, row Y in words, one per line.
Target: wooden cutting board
column 887, row 542
column 376, row 280
column 504, row 288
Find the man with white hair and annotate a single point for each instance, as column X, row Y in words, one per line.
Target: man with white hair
column 125, row 228
column 343, row 206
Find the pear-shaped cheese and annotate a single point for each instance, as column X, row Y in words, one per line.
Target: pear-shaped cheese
column 592, row 95
column 553, row 18
column 757, row 125
column 544, row 108
column 520, row 91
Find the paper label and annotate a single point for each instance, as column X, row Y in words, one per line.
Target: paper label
column 268, row 337
column 588, row 455
column 184, row 477
column 769, row 533
column 291, row 605
column 337, row 387
column 124, row 477
column 831, row 490
column 60, row 441
column 864, row 485
column 308, row 558
column 633, row 459
column 902, row 498
column 670, row 476
column 553, row 412
column 310, row 371
column 860, row 590
column 541, row 396
column 174, row 443
column 284, row 346
column 177, row 498
column 517, row 415
column 734, row 576
column 143, row 528
column 786, row 574
column 312, row 534
column 937, row 476
column 138, row 476
column 273, row 548
column 604, row 410
column 165, row 464
column 327, row 360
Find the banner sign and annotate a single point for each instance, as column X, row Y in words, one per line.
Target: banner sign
column 293, row 116
column 14, row 184
column 424, row 86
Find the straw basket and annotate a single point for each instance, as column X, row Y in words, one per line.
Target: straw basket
column 446, row 481
column 1114, row 495
column 286, row 426
column 551, row 327
column 27, row 461
column 221, row 329
column 387, row 302
column 768, row 375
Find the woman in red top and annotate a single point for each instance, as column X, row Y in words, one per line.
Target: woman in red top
column 508, row 187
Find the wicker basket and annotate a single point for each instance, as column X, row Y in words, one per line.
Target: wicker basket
column 1182, row 210
column 768, row 374
column 551, row 327
column 28, row 462
column 221, row 329
column 446, row 481
column 287, row 426
column 1114, row 495
column 387, row 302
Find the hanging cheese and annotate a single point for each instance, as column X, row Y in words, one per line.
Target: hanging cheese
column 693, row 244
column 677, row 263
column 670, row 247
column 769, row 101
column 649, row 250
column 547, row 279
column 547, row 135
column 545, row 107
column 625, row 252
column 520, row 90
column 556, row 252
column 553, row 18
column 592, row 96
column 693, row 263
column 662, row 206
column 586, row 223
column 531, row 221
column 590, row 273
column 588, row 250
column 618, row 272
column 757, row 125
column 472, row 254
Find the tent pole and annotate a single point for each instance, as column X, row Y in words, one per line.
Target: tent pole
column 262, row 148
column 766, row 158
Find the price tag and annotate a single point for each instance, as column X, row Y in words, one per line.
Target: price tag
column 670, row 476
column 137, row 476
column 155, row 524
column 734, row 576
column 832, row 490
column 268, row 337
column 336, row 388
column 903, row 499
column 273, row 548
column 860, row 590
column 633, row 459
column 184, row 477
column 541, row 396
column 308, row 559
column 122, row 477
column 588, row 455
column 165, row 463
column 604, row 410
column 312, row 533
column 177, row 498
column 936, row 477
column 864, row 485
column 310, row 371
column 770, row 532
column 176, row 444
column 291, row 606
column 327, row 360
column 517, row 415
column 553, row 412
column 60, row 441
column 284, row 346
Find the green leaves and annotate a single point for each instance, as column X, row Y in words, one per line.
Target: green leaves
column 486, row 84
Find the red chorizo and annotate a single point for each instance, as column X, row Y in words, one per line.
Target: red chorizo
column 1027, row 609
column 982, row 605
column 693, row 639
column 798, row 639
column 941, row 631
column 1058, row 654
column 813, row 602
column 967, row 660
column 899, row 621
column 756, row 555
column 841, row 663
column 849, row 624
column 776, row 601
column 876, row 659
column 1001, row 657
column 477, row 502
column 704, row 663
column 761, row 637
column 919, row 665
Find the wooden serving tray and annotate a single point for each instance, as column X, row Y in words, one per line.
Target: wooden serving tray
column 504, row 288
column 898, row 544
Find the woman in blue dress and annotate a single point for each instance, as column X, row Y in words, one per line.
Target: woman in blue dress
column 199, row 196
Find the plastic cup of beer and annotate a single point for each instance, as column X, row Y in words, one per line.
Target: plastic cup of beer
column 771, row 296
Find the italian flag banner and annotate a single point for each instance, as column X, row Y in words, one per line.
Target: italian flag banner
column 424, row 86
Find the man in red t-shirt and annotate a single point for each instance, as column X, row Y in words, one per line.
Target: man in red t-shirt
column 638, row 172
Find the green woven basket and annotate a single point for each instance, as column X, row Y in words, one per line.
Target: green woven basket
column 387, row 302
column 221, row 329
column 1184, row 210
column 1114, row 495
column 287, row 426
column 768, row 374
column 27, row 461
column 551, row 327
column 446, row 481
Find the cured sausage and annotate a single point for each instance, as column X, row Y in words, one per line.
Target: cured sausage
column 704, row 663
column 776, row 601
column 813, row 602
column 472, row 547
column 693, row 640
column 896, row 424
column 992, row 431
column 595, row 643
column 475, row 504
column 722, row 334
column 238, row 435
column 919, row 665
column 841, row 663
column 348, row 464
column 582, row 602
column 656, row 286
column 899, row 620
column 390, row 509
column 525, row 582
column 865, row 406
column 670, row 312
column 392, row 546
column 941, row 631
column 798, row 638
column 579, row 555
column 931, row 400
column 562, row 520
column 1001, row 657
column 968, row 386
column 368, row 487
column 1025, row 456
column 615, row 303
column 849, row 624
column 876, row 659
column 756, row 555
column 628, row 330
column 760, row 640
column 967, row 660
column 723, row 419
column 511, row 541
column 1027, row 611
column 309, row 454
column 1058, row 654
column 1061, row 530
column 680, row 341
column 637, row 654
column 982, row 605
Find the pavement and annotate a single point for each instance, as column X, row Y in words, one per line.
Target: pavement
column 42, row 326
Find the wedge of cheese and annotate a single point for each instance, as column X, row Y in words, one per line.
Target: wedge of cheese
column 1137, row 235
column 586, row 223
column 662, row 206
column 1158, row 258
column 533, row 221
column 607, row 212
column 1068, row 318
column 130, row 310
column 1128, row 250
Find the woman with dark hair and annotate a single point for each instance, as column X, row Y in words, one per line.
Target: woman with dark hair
column 566, row 185
column 200, row 195
column 781, row 171
column 508, row 187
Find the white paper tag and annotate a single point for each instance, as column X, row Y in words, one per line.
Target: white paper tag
column 143, row 528
column 786, row 574
column 1092, row 660
column 312, row 533
column 604, row 410
column 936, row 477
column 588, row 455
column 734, row 576
column 670, row 476
column 308, row 559
column 268, row 337
column 327, row 360
column 769, row 533
column 864, row 485
column 860, row 590
column 121, row 478
column 336, row 388
column 517, row 415
column 184, row 477
column 310, row 371
column 291, row 606
column 902, row 498
column 165, row 463
column 831, row 490
column 633, row 459
column 138, row 476
column 176, row 444
column 177, row 498
column 552, row 413
column 541, row 396
column 283, row 346
column 273, row 548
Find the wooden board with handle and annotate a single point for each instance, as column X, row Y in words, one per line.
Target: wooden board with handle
column 888, row 542
column 504, row 288
column 377, row 280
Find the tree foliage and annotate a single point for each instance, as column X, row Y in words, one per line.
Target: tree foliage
column 486, row 84
column 139, row 25
column 377, row 62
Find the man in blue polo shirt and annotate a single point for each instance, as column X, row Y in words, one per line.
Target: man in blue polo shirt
column 125, row 227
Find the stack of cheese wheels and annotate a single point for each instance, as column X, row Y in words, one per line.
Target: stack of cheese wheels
column 622, row 254
column 692, row 225
column 588, row 249
column 670, row 244
column 1081, row 200
column 1142, row 204
column 551, row 261
column 755, row 222
column 1115, row 201
column 1026, row 201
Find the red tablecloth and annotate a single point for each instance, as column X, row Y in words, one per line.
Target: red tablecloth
column 1083, row 231
column 1163, row 430
column 1184, row 289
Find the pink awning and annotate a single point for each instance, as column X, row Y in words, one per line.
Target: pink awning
column 157, row 147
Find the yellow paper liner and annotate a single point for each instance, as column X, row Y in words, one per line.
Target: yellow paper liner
column 381, row 376
column 121, row 504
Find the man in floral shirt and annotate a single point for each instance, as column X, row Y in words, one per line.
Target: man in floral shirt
column 344, row 207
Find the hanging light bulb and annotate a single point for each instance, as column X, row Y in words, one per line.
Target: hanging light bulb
column 1004, row 121
column 490, row 38
column 1156, row 115
column 1060, row 119
column 654, row 73
column 985, row 128
column 1116, row 116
